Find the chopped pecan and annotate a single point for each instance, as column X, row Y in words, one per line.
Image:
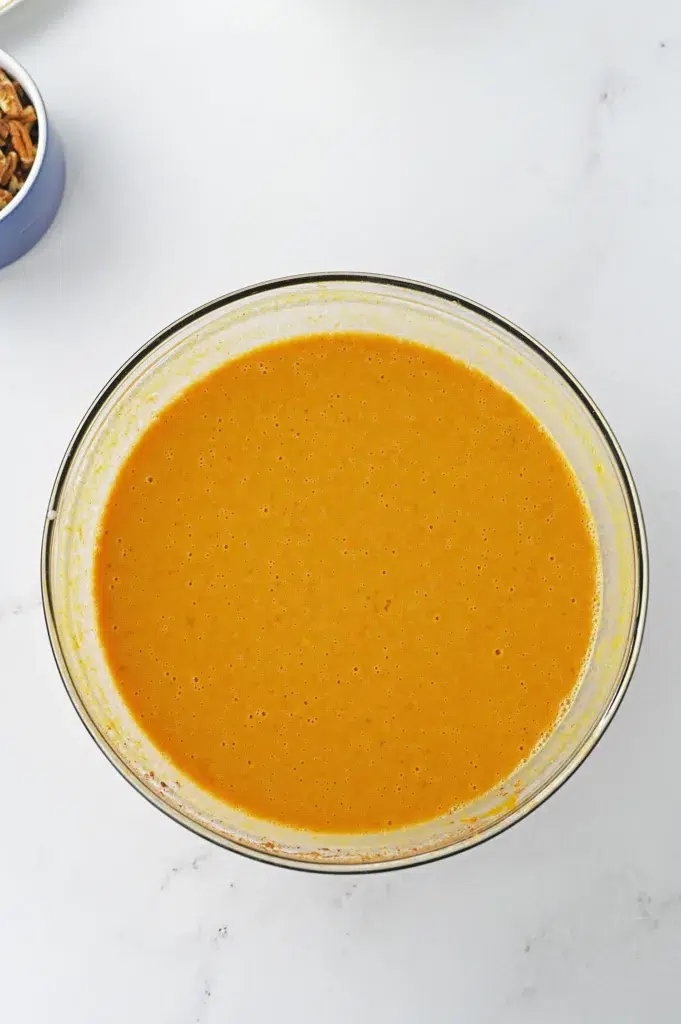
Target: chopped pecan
column 9, row 167
column 10, row 104
column 18, row 138
column 28, row 115
column 22, row 142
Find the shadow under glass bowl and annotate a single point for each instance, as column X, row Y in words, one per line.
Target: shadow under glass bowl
column 275, row 311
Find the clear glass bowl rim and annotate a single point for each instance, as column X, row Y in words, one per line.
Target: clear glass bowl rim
column 416, row 287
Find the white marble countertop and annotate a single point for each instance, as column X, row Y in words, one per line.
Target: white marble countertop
column 523, row 152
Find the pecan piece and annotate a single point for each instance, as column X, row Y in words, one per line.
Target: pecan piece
column 10, row 104
column 22, row 142
column 5, row 198
column 28, row 115
column 4, row 130
column 8, row 167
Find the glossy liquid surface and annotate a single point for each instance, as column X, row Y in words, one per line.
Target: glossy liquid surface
column 345, row 583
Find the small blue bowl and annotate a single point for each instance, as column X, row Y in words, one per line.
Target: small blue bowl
column 24, row 221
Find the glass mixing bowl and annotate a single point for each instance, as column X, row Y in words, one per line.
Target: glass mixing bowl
column 220, row 330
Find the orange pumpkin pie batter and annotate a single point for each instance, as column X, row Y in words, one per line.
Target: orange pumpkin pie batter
column 346, row 583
